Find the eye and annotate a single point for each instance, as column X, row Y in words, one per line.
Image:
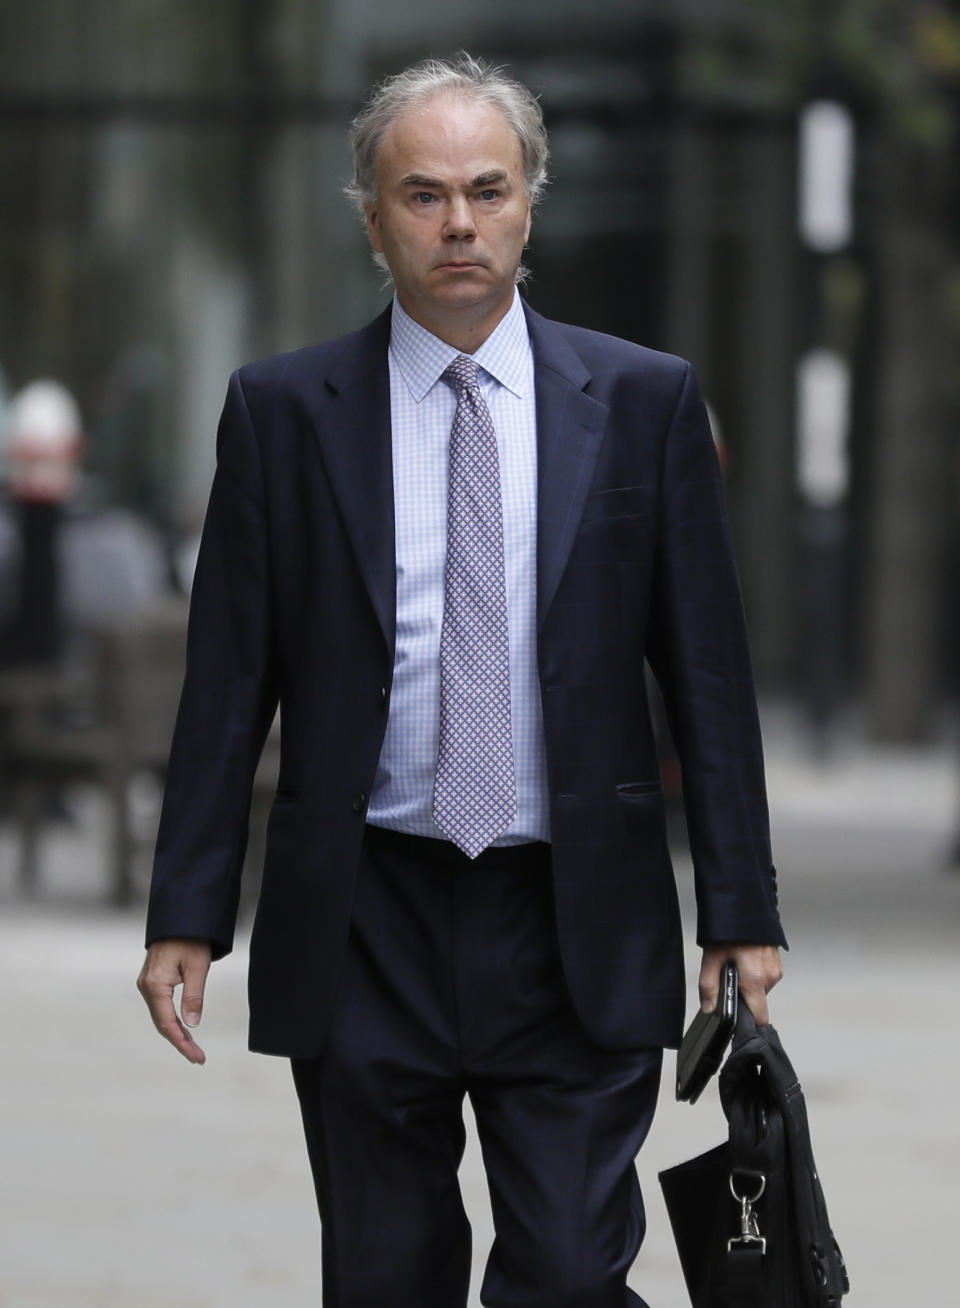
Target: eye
column 489, row 193
column 424, row 197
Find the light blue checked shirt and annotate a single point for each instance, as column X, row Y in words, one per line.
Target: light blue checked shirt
column 422, row 409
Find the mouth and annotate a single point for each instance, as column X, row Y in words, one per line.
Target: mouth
column 459, row 265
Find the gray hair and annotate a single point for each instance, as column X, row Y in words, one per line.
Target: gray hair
column 461, row 76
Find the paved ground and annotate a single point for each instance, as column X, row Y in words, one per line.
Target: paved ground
column 128, row 1179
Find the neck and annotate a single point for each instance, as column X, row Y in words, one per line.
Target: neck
column 464, row 331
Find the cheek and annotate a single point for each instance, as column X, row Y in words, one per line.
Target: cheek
column 414, row 230
column 515, row 227
column 399, row 239
column 515, row 234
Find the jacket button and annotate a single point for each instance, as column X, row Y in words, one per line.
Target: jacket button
column 383, row 694
column 359, row 802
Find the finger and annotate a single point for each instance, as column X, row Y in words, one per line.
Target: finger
column 171, row 1028
column 159, row 999
column 709, row 985
column 756, row 1001
column 156, row 987
column 760, row 970
column 194, row 982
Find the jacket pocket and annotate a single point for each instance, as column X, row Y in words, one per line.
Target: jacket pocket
column 637, row 789
column 618, row 502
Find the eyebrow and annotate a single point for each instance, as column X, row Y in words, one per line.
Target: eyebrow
column 419, row 179
column 491, row 178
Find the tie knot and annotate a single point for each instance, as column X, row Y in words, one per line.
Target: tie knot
column 462, row 373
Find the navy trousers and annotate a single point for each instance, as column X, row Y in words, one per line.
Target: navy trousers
column 453, row 986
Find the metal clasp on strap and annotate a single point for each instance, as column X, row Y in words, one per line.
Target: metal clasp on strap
column 749, row 1228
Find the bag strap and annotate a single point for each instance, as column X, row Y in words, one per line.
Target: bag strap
column 745, row 1276
column 746, row 1251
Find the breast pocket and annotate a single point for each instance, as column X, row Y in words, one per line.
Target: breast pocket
column 616, row 526
column 617, row 502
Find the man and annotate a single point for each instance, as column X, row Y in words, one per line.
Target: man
column 447, row 543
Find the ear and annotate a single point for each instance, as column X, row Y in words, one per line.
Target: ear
column 373, row 226
column 526, row 230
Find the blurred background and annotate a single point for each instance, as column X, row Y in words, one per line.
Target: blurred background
column 767, row 187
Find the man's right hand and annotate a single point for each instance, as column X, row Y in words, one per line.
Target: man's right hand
column 170, row 963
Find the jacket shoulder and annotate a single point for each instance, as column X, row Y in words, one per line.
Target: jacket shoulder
column 602, row 353
column 336, row 358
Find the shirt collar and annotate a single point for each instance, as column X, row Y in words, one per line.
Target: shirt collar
column 422, row 357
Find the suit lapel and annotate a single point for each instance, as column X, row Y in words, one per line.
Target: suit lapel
column 570, row 428
column 353, row 432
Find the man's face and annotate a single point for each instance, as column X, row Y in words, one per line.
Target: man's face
column 451, row 216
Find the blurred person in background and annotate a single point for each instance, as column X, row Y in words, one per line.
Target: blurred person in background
column 8, row 535
column 44, row 445
column 446, row 544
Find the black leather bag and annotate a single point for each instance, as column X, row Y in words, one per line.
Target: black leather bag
column 749, row 1217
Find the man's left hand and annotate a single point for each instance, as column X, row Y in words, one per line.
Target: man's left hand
column 759, row 967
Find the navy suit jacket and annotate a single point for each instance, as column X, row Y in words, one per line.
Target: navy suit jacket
column 294, row 602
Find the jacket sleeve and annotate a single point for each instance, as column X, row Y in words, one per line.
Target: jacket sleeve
column 227, row 705
column 698, row 651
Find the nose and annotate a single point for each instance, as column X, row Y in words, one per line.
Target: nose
column 459, row 225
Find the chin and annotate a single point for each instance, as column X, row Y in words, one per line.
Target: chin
column 476, row 285
column 461, row 295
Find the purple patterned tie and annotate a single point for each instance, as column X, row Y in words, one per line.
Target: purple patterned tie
column 474, row 794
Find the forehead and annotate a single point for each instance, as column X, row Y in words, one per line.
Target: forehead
column 449, row 137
